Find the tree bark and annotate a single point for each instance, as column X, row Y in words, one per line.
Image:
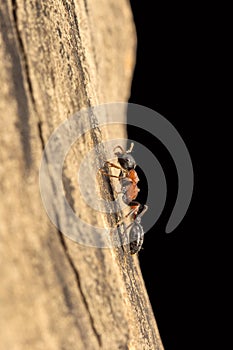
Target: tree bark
column 57, row 57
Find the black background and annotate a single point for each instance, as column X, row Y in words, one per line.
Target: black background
column 169, row 78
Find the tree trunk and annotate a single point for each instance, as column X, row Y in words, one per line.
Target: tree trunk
column 57, row 57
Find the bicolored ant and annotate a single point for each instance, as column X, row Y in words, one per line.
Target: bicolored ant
column 128, row 179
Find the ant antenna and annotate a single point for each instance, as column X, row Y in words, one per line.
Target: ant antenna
column 122, row 150
column 131, row 148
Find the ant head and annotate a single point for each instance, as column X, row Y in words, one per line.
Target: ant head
column 126, row 160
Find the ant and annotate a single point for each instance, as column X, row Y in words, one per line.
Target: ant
column 128, row 179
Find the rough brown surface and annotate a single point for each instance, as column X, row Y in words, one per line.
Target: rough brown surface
column 57, row 57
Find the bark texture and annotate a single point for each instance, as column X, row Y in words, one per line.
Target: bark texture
column 57, row 57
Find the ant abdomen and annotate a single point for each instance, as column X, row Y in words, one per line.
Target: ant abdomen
column 136, row 237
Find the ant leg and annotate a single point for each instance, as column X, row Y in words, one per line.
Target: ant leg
column 131, row 224
column 142, row 208
column 126, row 216
column 112, row 165
column 110, row 175
column 106, row 174
column 132, row 211
column 116, row 193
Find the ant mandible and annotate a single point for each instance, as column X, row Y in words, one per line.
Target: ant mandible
column 128, row 179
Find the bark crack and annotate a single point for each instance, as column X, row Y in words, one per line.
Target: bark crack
column 22, row 49
column 26, row 66
column 77, row 278
column 39, row 125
